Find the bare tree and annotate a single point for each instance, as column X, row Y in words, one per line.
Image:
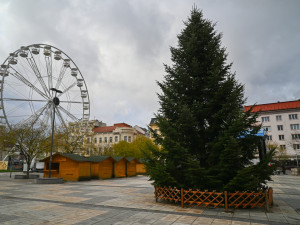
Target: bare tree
column 67, row 141
column 30, row 141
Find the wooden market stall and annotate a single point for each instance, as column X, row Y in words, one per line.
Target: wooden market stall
column 140, row 167
column 131, row 166
column 101, row 167
column 71, row 167
column 120, row 164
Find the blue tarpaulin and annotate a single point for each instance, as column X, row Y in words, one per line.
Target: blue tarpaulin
column 260, row 133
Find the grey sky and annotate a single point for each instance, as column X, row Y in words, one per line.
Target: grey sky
column 120, row 46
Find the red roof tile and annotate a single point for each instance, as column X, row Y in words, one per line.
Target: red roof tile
column 110, row 128
column 274, row 106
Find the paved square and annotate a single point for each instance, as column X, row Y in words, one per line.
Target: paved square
column 130, row 201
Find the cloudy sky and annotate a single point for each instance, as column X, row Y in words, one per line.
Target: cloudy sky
column 120, row 46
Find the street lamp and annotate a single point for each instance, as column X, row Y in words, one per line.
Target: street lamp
column 55, row 103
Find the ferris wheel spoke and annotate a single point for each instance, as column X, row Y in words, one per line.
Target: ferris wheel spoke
column 37, row 73
column 74, row 118
column 47, row 114
column 23, row 100
column 61, row 75
column 71, row 102
column 67, row 89
column 34, row 117
column 21, row 78
column 61, row 118
column 49, row 70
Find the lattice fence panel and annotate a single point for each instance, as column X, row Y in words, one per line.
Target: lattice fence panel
column 246, row 199
column 215, row 199
column 168, row 194
column 203, row 198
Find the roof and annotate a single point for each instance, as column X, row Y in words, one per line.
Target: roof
column 118, row 158
column 110, row 128
column 153, row 121
column 98, row 158
column 274, row 106
column 129, row 159
column 72, row 156
column 141, row 160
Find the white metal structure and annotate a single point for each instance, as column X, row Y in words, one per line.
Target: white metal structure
column 26, row 77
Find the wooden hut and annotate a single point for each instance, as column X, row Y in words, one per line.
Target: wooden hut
column 71, row 167
column 101, row 166
column 140, row 167
column 131, row 166
column 120, row 164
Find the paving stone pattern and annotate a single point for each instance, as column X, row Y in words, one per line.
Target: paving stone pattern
column 130, row 201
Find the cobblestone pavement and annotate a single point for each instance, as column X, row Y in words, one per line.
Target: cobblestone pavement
column 129, row 201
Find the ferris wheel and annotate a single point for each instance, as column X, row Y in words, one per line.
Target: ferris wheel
column 28, row 77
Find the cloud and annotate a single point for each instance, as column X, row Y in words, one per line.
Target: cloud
column 120, row 46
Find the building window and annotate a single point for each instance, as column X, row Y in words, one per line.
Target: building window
column 293, row 116
column 110, row 140
column 281, row 137
column 282, row 147
column 265, row 119
column 129, row 138
column 295, row 136
column 280, row 127
column 100, row 140
column 100, row 149
column 88, row 151
column 125, row 138
column 105, row 139
column 88, row 140
column 278, row 118
column 294, row 126
column 296, row 146
column 95, row 140
column 269, row 137
column 268, row 128
column 116, row 138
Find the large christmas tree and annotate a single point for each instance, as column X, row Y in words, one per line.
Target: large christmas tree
column 207, row 140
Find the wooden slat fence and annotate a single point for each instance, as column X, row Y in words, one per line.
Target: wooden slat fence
column 215, row 199
column 202, row 198
column 246, row 199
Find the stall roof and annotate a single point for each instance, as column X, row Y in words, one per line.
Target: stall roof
column 99, row 158
column 129, row 159
column 72, row 156
column 118, row 158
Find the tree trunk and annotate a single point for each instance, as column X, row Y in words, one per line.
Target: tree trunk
column 28, row 166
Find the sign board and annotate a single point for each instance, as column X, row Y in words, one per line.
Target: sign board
column 3, row 165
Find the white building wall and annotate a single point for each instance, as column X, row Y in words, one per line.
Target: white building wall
column 287, row 131
column 121, row 133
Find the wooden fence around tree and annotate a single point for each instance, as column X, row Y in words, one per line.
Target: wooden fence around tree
column 215, row 199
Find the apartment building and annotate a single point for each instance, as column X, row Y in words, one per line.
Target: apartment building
column 104, row 137
column 281, row 122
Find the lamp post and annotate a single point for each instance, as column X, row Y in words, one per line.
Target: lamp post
column 55, row 103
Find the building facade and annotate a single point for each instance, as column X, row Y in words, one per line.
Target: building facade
column 154, row 127
column 104, row 137
column 281, row 122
